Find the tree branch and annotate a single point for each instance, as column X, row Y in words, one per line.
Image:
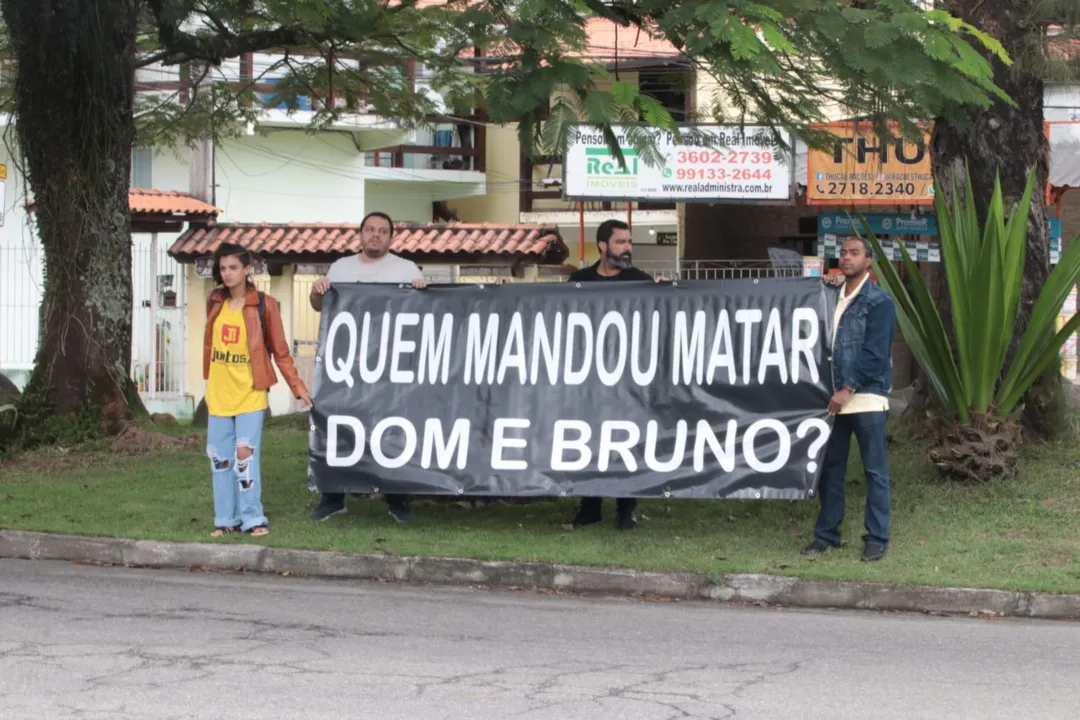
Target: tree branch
column 180, row 46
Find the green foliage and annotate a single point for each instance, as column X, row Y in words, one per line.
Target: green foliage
column 777, row 62
column 30, row 423
column 974, row 375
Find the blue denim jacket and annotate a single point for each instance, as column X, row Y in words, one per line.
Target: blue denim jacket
column 862, row 353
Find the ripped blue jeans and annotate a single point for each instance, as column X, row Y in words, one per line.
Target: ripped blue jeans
column 233, row 446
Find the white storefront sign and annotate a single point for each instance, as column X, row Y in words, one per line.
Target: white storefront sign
column 710, row 163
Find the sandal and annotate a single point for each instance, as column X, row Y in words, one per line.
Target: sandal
column 259, row 530
column 220, row 531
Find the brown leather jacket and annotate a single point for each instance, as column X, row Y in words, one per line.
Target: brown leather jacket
column 262, row 369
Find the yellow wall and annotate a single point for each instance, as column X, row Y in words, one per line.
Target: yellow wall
column 195, row 292
column 504, row 181
column 500, row 204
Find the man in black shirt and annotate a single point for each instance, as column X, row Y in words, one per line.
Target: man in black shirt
column 616, row 256
column 616, row 263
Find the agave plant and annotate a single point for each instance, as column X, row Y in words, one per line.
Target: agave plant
column 978, row 382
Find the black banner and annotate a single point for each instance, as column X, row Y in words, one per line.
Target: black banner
column 616, row 389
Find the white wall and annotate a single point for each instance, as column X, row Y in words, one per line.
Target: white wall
column 1062, row 102
column 21, row 264
column 290, row 176
column 394, row 199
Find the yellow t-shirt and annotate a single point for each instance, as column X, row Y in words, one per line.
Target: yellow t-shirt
column 230, row 389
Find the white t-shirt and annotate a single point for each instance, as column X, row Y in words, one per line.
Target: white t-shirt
column 388, row 269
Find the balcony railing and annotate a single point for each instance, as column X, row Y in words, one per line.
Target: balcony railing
column 265, row 87
column 440, row 158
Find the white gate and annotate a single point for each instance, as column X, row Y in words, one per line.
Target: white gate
column 158, row 340
column 20, row 298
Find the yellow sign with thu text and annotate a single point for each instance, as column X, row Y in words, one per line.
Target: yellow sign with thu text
column 862, row 168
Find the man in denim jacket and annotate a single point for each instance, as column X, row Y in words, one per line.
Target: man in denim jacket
column 863, row 327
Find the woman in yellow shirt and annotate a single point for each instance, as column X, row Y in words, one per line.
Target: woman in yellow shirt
column 243, row 331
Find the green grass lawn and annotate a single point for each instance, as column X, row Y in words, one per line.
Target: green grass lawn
column 1017, row 534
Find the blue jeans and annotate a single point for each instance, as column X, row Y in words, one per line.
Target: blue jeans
column 237, row 482
column 869, row 431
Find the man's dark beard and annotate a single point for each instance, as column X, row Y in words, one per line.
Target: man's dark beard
column 621, row 262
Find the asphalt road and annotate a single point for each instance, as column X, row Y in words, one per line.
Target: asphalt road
column 88, row 643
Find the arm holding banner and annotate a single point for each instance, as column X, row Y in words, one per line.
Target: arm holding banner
column 279, row 346
column 318, row 289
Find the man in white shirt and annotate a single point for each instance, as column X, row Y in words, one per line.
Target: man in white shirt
column 374, row 264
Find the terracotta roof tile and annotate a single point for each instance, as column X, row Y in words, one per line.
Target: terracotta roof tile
column 168, row 202
column 144, row 201
column 305, row 240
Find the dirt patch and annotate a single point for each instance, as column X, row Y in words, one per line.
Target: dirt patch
column 1020, row 536
column 1066, row 505
column 138, row 441
column 56, row 461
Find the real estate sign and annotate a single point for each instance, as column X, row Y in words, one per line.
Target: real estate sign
column 708, row 163
column 864, row 169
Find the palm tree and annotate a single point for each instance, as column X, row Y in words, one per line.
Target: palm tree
column 976, row 373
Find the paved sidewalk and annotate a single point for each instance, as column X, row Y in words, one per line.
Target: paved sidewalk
column 740, row 588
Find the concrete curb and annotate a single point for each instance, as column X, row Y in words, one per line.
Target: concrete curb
column 747, row 588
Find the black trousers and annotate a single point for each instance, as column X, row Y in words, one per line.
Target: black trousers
column 594, row 505
column 394, row 500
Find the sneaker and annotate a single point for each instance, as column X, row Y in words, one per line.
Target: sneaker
column 873, row 552
column 402, row 512
column 627, row 520
column 326, row 510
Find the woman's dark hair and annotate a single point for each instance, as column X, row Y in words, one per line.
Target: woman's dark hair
column 225, row 250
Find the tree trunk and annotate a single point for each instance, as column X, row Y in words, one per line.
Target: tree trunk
column 1008, row 142
column 74, row 92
